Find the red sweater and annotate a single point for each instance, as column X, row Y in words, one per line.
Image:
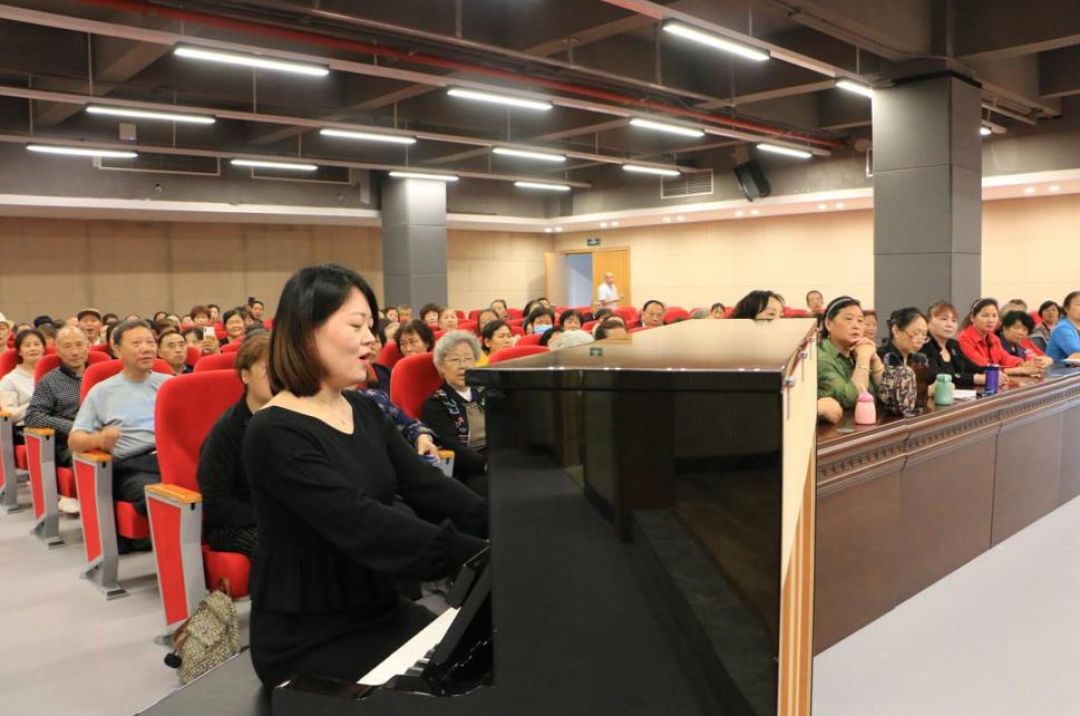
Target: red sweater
column 984, row 350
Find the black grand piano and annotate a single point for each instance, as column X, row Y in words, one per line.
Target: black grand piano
column 652, row 523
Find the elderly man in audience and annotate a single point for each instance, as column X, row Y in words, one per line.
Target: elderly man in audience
column 613, row 328
column 815, row 302
column 117, row 417
column 172, row 348
column 455, row 411
column 652, row 314
column 55, row 402
column 91, row 323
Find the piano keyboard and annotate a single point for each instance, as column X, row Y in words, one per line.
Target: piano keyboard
column 413, row 654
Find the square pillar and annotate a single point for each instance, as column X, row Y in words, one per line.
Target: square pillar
column 414, row 242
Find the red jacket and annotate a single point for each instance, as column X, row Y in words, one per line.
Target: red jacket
column 984, row 350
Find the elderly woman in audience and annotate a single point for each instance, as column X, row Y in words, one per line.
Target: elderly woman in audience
column 448, row 319
column 652, row 314
column 613, row 328
column 172, row 348
column 1016, row 327
column 235, row 322
column 571, row 320
column 455, row 411
column 540, row 320
column 908, row 333
column 1065, row 338
column 495, row 336
column 870, row 323
column 429, row 314
column 1049, row 314
column 848, row 363
column 485, row 317
column 200, row 316
column 717, row 310
column 982, row 346
column 415, row 337
column 943, row 352
column 17, row 387
column 761, row 305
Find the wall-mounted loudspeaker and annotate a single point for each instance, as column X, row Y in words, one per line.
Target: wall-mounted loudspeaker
column 752, row 180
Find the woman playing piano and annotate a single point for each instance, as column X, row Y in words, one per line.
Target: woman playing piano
column 326, row 468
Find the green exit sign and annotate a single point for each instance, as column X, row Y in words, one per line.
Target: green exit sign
column 596, row 352
column 592, row 242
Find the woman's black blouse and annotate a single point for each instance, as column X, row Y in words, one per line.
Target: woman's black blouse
column 959, row 366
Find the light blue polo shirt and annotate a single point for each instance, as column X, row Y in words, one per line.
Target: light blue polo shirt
column 1064, row 341
column 128, row 405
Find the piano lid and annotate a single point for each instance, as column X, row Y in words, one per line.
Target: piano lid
column 701, row 354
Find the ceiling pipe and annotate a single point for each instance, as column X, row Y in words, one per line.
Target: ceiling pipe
column 717, row 122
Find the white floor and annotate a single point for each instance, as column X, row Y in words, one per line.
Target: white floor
column 999, row 637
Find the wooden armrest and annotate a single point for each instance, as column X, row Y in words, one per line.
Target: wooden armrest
column 41, row 432
column 95, row 456
column 446, row 454
column 175, row 493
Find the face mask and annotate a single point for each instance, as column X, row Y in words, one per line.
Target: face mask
column 541, row 329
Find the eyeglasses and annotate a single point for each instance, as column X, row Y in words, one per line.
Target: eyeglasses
column 917, row 337
column 461, row 361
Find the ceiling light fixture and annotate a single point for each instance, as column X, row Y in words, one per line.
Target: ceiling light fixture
column 855, row 87
column 669, row 128
column 421, row 175
column 81, row 151
column 541, row 186
column 716, row 41
column 256, row 61
column 508, row 100
column 658, row 171
column 522, row 154
column 985, row 131
column 148, row 114
column 367, row 136
column 286, row 166
column 786, row 151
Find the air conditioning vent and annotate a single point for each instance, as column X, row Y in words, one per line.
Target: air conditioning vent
column 164, row 164
column 688, row 184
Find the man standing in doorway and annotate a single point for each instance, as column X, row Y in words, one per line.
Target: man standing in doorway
column 608, row 292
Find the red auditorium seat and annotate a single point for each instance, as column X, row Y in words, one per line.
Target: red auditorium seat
column 518, row 351
column 389, row 355
column 268, row 324
column 187, row 408
column 589, row 325
column 467, row 326
column 216, row 361
column 103, row 519
column 8, row 361
column 231, row 347
column 413, row 381
column 530, row 339
column 517, row 330
column 194, row 353
column 675, row 314
column 728, row 311
column 475, row 314
column 460, row 315
column 628, row 314
column 515, row 313
column 100, row 347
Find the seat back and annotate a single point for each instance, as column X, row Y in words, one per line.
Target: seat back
column 530, row 339
column 232, row 347
column 675, row 314
column 389, row 355
column 185, row 410
column 413, row 381
column 194, row 353
column 8, row 360
column 107, row 369
column 513, row 352
column 51, row 361
column 628, row 313
column 217, row 361
column 515, row 313
column 100, row 348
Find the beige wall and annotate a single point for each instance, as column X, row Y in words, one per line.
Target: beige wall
column 485, row 265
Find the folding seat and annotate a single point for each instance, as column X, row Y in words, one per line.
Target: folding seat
column 187, row 408
column 413, row 381
column 217, row 361
column 531, row 339
column 100, row 348
column 46, row 479
column 467, row 326
column 515, row 313
column 389, row 355
column 675, row 314
column 194, row 353
column 12, row 457
column 474, row 314
column 518, row 351
column 231, row 347
column 460, row 315
column 516, row 322
column 268, row 324
column 517, row 330
column 102, row 518
column 627, row 313
column 589, row 325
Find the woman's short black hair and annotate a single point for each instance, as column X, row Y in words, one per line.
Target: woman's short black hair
column 1013, row 316
column 241, row 311
column 1073, row 295
column 901, row 318
column 753, row 303
column 22, row 336
column 252, row 301
column 977, row 305
column 421, row 329
column 537, row 313
column 717, row 305
column 488, row 332
column 310, row 297
column 546, row 338
column 568, row 313
column 602, row 313
column 605, row 326
column 428, row 308
column 1046, row 305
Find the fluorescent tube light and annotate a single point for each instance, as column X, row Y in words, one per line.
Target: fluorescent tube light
column 287, row 166
column 540, row 156
column 541, row 186
column 367, row 136
column 786, row 151
column 499, row 99
column 247, row 60
column 669, row 128
column 855, row 87
column 420, row 175
column 716, row 42
column 658, row 171
column 81, row 151
column 985, row 131
column 150, row 114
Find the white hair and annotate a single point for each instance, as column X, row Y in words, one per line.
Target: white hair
column 568, row 339
column 451, row 340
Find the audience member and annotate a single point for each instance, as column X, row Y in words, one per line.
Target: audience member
column 540, row 320
column 571, row 320
column 1065, row 338
column 652, row 314
column 569, row 338
column 717, row 310
column 761, row 305
column 404, row 313
column 332, row 544
column 547, row 336
column 1015, row 304
column 193, row 336
column 256, row 309
column 485, row 317
column 908, row 333
column 110, row 318
column 48, row 332
column 448, row 319
column 429, row 314
column 228, row 513
column 870, row 323
column 392, row 314
column 172, row 348
column 379, row 376
column 982, row 346
column 200, row 315
column 943, row 352
column 848, row 363
column 17, row 387
column 1016, row 326
column 499, row 306
column 495, row 336
column 160, row 316
column 699, row 313
column 455, row 411
column 544, row 302
column 235, row 322
column 90, row 321
column 613, row 328
column 815, row 302
column 415, row 337
column 215, row 312
column 5, row 330
column 1049, row 314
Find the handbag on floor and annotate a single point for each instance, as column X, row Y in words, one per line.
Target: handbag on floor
column 209, row 637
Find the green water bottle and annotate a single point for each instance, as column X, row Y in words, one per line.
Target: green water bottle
column 943, row 389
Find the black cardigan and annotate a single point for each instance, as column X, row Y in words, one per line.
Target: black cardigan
column 467, row 461
column 222, row 478
column 959, row 366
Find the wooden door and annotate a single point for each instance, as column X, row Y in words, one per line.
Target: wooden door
column 617, row 261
